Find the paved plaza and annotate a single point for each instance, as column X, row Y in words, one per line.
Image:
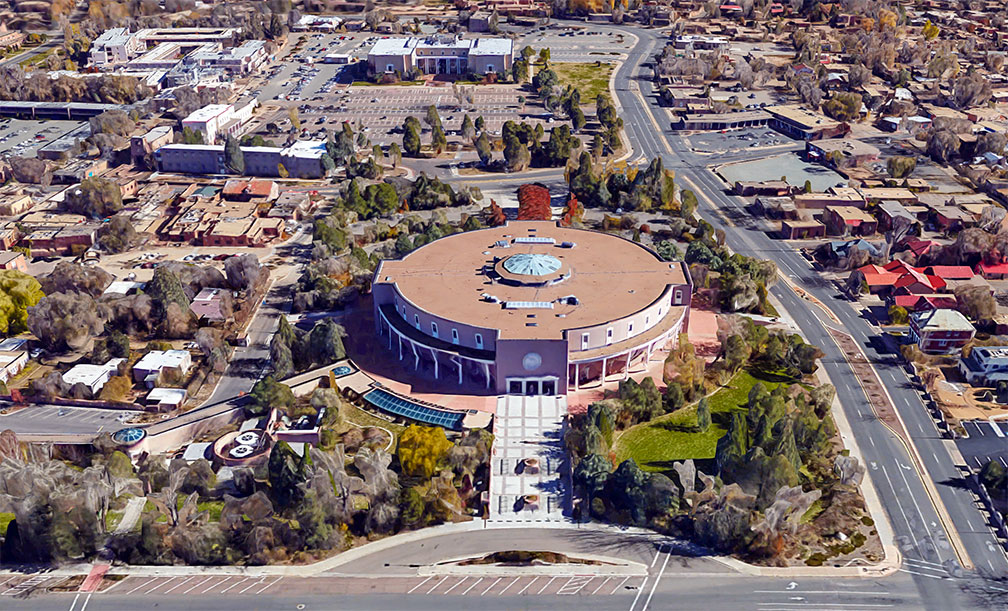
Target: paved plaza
column 528, row 428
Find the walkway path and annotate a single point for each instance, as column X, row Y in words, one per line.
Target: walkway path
column 134, row 507
column 528, row 428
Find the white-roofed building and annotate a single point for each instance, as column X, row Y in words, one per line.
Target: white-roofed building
column 208, row 120
column 156, row 362
column 92, row 376
column 115, row 46
column 166, row 399
column 440, row 54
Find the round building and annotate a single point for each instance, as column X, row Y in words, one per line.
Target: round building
column 530, row 307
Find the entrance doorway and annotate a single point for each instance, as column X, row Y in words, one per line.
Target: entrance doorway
column 532, row 387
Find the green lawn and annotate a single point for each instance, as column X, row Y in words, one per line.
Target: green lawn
column 589, row 79
column 655, row 445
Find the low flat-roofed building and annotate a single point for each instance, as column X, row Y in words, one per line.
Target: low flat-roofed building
column 819, row 201
column 291, row 205
column 841, row 151
column 719, row 121
column 848, row 220
column 166, row 399
column 209, row 304
column 12, row 362
column 156, row 362
column 115, row 46
column 12, row 259
column 803, row 124
column 802, row 230
column 92, row 376
column 881, row 194
column 143, row 146
column 15, row 203
column 250, row 189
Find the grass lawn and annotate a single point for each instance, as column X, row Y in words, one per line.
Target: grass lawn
column 589, row 79
column 655, row 445
column 213, row 508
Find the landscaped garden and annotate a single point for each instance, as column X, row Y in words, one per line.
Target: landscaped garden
column 656, row 444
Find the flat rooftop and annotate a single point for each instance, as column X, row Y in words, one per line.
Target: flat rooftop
column 610, row 277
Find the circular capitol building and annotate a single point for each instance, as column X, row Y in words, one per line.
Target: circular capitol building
column 530, row 307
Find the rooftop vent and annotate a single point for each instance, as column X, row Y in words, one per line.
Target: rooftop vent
column 567, row 244
column 489, row 298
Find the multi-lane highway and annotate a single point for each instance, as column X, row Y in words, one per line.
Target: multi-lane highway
column 920, row 532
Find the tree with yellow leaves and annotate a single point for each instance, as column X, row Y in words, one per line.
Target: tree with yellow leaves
column 422, row 449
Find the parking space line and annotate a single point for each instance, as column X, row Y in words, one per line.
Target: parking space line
column 501, row 593
column 269, row 585
column 595, row 591
column 410, row 591
column 472, row 586
column 997, row 429
column 456, row 585
column 234, row 584
column 213, row 585
column 181, row 583
column 435, row 586
column 194, row 586
column 144, row 582
column 261, row 581
column 491, row 586
column 552, row 579
column 170, row 579
column 535, row 579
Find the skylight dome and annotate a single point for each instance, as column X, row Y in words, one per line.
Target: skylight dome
column 527, row 264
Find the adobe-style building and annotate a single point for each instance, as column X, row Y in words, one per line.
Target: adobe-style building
column 439, row 54
column 530, row 308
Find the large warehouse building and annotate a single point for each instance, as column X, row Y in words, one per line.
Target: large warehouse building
column 530, row 307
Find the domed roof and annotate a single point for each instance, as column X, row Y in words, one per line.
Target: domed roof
column 530, row 264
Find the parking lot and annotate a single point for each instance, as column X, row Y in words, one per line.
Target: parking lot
column 22, row 138
column 576, row 44
column 738, row 140
column 41, row 419
column 987, row 441
column 382, row 110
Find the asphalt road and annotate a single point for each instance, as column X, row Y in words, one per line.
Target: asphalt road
column 919, row 531
column 42, row 419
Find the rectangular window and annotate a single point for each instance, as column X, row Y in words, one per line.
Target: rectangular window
column 416, row 321
column 647, row 320
column 454, row 336
column 479, row 341
column 678, row 296
column 584, row 341
column 608, row 336
column 433, row 329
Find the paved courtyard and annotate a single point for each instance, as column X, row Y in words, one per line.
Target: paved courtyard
column 528, row 427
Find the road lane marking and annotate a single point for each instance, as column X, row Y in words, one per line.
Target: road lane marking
column 86, row 601
column 269, row 585
column 435, row 586
column 535, row 579
column 595, row 591
column 862, row 592
column 456, row 585
column 552, row 579
column 196, row 585
column 830, row 605
column 501, row 593
column 74, row 603
column 410, row 591
column 472, row 586
column 640, row 589
column 491, row 586
column 654, row 586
